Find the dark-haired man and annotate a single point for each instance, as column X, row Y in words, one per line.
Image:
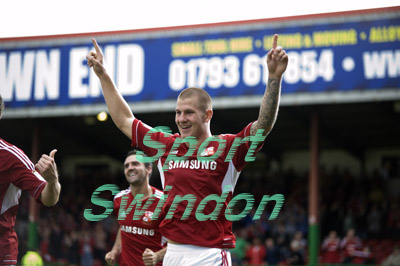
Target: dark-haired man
column 138, row 241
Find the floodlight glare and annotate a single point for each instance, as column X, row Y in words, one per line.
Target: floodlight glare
column 102, row 116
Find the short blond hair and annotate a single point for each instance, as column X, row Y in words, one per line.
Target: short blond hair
column 204, row 99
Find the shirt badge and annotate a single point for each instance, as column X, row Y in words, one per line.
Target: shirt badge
column 147, row 217
column 208, row 152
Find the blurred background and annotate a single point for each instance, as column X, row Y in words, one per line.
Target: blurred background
column 334, row 153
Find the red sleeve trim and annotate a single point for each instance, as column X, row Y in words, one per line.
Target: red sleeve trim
column 135, row 126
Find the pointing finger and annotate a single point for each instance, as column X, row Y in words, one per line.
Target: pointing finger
column 96, row 46
column 275, row 41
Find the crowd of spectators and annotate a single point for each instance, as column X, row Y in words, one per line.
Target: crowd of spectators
column 349, row 205
column 357, row 215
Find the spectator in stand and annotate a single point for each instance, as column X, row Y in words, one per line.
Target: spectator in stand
column 374, row 222
column 282, row 240
column 86, row 249
column 71, row 242
column 334, row 216
column 296, row 254
column 55, row 242
column 273, row 256
column 393, row 220
column 100, row 238
column 299, row 241
column 349, row 219
column 349, row 244
column 364, row 256
column 256, row 253
column 44, row 244
column 330, row 248
column 393, row 258
column 239, row 252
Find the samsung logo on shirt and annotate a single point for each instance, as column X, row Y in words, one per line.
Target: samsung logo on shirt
column 137, row 230
column 192, row 164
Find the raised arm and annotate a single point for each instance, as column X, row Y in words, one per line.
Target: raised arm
column 48, row 169
column 119, row 109
column 277, row 61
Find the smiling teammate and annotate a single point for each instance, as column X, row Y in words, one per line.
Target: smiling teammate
column 138, row 242
column 190, row 241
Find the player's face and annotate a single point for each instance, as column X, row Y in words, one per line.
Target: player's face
column 191, row 121
column 135, row 172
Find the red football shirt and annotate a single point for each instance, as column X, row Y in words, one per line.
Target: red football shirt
column 17, row 173
column 137, row 235
column 198, row 180
column 349, row 245
column 331, row 250
column 256, row 254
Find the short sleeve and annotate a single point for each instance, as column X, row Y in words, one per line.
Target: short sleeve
column 23, row 174
column 247, row 147
column 116, row 206
column 149, row 139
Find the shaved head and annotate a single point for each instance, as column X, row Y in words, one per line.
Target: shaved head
column 203, row 98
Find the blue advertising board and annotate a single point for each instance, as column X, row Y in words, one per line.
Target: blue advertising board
column 324, row 57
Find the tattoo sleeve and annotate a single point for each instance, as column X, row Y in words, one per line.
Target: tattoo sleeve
column 269, row 107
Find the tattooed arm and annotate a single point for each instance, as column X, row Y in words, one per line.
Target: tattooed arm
column 277, row 61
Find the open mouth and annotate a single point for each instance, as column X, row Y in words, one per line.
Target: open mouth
column 185, row 128
column 131, row 174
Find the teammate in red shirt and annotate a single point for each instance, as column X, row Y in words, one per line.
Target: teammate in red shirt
column 206, row 242
column 17, row 173
column 138, row 242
